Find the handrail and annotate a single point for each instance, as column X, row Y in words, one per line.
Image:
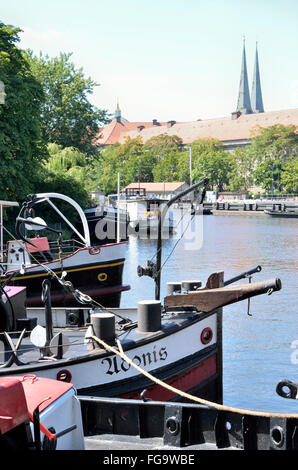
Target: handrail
column 47, row 196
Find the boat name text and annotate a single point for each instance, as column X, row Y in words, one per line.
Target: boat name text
column 116, row 365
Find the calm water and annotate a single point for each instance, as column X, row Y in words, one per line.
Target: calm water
column 257, row 349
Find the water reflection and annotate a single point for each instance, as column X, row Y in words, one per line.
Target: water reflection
column 257, row 348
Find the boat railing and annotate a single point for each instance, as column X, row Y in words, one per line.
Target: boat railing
column 20, row 354
column 67, row 246
column 23, row 352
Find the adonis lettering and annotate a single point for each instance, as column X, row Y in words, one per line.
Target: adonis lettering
column 116, row 365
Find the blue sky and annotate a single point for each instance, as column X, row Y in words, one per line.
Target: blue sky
column 168, row 59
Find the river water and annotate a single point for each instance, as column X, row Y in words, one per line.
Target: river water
column 259, row 349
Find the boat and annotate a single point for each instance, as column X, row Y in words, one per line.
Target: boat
column 286, row 214
column 62, row 345
column 143, row 213
column 95, row 270
column 108, row 351
column 45, row 415
column 102, row 221
column 201, row 210
column 178, row 432
column 39, row 414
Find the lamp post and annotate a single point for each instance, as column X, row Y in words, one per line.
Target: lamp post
column 190, row 167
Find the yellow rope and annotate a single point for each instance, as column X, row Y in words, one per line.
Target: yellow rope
column 184, row 394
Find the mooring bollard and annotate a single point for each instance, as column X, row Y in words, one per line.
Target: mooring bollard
column 172, row 287
column 149, row 316
column 104, row 326
column 191, row 285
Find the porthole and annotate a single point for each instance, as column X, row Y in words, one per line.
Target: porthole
column 206, row 335
column 64, row 375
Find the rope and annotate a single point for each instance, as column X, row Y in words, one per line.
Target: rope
column 68, row 286
column 179, row 239
column 123, row 356
column 179, row 222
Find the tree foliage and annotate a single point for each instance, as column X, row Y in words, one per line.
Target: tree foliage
column 163, row 144
column 126, row 159
column 64, row 159
column 164, row 152
column 289, row 176
column 69, row 164
column 209, row 160
column 241, row 169
column 21, row 146
column 68, row 118
column 167, row 168
column 272, row 153
column 273, row 149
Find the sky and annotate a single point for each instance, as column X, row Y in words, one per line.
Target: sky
column 168, row 59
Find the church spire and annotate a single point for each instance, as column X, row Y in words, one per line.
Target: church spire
column 256, row 92
column 243, row 104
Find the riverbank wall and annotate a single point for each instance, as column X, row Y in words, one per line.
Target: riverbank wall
column 249, row 207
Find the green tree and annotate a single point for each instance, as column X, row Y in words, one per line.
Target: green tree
column 21, row 146
column 68, row 118
column 139, row 168
column 166, row 169
column 163, row 144
column 68, row 161
column 208, row 160
column 107, row 171
column 242, row 169
column 163, row 152
column 72, row 163
column 289, row 176
column 127, row 159
column 273, row 149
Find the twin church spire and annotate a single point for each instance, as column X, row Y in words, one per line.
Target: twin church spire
column 246, row 104
column 256, row 92
column 250, row 104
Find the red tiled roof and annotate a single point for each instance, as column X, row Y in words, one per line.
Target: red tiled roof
column 111, row 133
column 224, row 129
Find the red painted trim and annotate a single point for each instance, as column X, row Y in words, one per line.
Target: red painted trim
column 111, row 244
column 31, row 301
column 43, row 429
column 64, row 375
column 42, row 392
column 68, row 256
column 41, row 244
column 209, row 338
column 185, row 381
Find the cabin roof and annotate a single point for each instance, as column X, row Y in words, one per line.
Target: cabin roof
column 157, row 187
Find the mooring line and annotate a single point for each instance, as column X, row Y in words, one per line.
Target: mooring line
column 123, row 356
